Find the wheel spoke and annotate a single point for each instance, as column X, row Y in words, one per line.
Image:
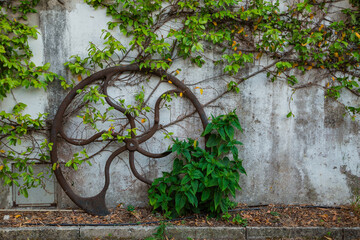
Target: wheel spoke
column 134, row 171
column 81, row 142
column 153, row 155
column 146, row 136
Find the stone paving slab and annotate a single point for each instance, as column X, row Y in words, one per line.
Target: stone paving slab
column 351, row 234
column 39, row 233
column 129, row 232
column 258, row 233
column 180, row 232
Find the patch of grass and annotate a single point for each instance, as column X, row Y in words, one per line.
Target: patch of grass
column 130, row 208
column 239, row 220
column 275, row 214
column 161, row 233
column 226, row 217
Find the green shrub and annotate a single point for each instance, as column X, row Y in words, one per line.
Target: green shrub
column 201, row 179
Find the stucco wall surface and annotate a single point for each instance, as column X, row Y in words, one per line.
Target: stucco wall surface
column 312, row 158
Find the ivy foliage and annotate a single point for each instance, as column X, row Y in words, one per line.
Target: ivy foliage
column 201, row 179
column 19, row 146
column 303, row 36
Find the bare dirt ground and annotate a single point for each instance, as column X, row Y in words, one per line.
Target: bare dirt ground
column 272, row 215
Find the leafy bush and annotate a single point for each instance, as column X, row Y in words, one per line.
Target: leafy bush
column 201, row 179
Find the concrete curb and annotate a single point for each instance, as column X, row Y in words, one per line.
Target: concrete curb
column 180, row 232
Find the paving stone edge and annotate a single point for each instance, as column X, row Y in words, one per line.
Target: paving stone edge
column 179, row 232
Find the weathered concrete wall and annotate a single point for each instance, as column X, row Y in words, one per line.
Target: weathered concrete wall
column 312, row 158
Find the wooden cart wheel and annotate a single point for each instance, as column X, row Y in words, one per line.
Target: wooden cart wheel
column 96, row 205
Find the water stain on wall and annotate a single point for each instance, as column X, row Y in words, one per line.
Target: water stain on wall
column 333, row 114
column 352, row 180
column 53, row 28
column 4, row 196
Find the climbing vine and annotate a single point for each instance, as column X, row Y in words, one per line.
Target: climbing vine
column 23, row 138
column 286, row 41
column 305, row 36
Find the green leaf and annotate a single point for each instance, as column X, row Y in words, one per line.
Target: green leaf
column 162, row 187
column 185, row 180
column 30, row 169
column 205, row 194
column 187, row 155
column 222, row 149
column 192, row 199
column 235, row 152
column 208, row 129
column 195, row 185
column 213, row 141
column 242, row 170
column 152, row 201
column 25, row 192
column 180, row 201
column 236, row 124
column 54, row 167
column 197, row 174
column 212, row 183
column 222, row 133
column 230, row 131
column 209, row 169
column 178, row 165
column 223, row 206
column 46, row 66
column 217, row 198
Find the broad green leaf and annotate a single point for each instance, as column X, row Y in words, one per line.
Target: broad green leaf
column 213, row 141
column 208, row 129
column 195, row 185
column 205, row 194
column 180, row 200
column 236, row 124
column 162, row 187
column 230, row 131
column 185, row 180
column 235, row 152
column 217, row 198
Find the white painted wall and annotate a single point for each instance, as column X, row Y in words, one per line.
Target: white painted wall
column 310, row 159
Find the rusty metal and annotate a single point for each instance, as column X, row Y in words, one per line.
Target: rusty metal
column 96, row 205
